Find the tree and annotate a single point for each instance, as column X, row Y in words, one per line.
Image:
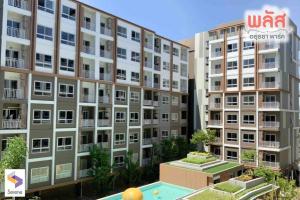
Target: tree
column 248, row 155
column 101, row 168
column 204, row 136
column 132, row 171
column 269, row 175
column 14, row 155
column 287, row 189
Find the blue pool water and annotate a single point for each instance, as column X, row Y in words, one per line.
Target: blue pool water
column 165, row 192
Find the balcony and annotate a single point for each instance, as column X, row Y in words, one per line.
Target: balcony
column 17, row 32
column 10, row 93
column 155, row 103
column 104, row 99
column 270, row 124
column 147, row 141
column 89, row 74
column 105, row 31
column 88, row 50
column 88, row 98
column 156, row 85
column 269, row 65
column 85, row 147
column 105, row 77
column 15, row 62
column 147, row 121
column 105, row 54
column 89, row 25
column 216, row 71
column 11, row 124
column 103, row 122
column 148, row 45
column 148, row 102
column 19, row 4
column 268, row 45
column 215, row 88
column 215, row 105
column 270, row 144
column 87, row 123
column 104, row 145
column 155, row 121
column 270, row 164
column 215, row 122
column 216, row 54
column 148, row 64
column 270, row 104
column 84, row 173
column 156, row 67
column 269, row 85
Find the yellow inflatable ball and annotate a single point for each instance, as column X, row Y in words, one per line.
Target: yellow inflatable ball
column 132, row 194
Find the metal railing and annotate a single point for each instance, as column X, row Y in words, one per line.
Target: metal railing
column 148, row 45
column 147, row 121
column 148, row 102
column 274, row 104
column 16, row 32
column 85, row 147
column 105, row 31
column 88, row 49
column 11, row 124
column 214, row 122
column 105, row 76
column 83, row 173
column 19, row 4
column 216, row 71
column 270, row 84
column 216, row 54
column 87, row 123
column 269, row 65
column 148, row 64
column 105, row 53
column 147, row 141
column 104, row 145
column 89, row 25
column 88, row 98
column 104, row 99
column 103, row 122
column 10, row 93
column 215, row 105
column 14, row 62
column 88, row 74
column 270, row 164
column 156, row 67
column 215, row 88
column 270, row 124
column 272, row 144
column 155, row 103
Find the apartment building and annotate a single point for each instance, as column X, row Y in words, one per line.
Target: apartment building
column 73, row 76
column 254, row 98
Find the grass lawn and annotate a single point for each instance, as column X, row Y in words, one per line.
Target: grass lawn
column 210, row 195
column 220, row 168
column 199, row 160
column 240, row 194
column 228, row 187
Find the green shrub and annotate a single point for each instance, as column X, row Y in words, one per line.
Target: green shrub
column 228, row 187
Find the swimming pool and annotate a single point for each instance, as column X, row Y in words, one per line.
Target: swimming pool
column 165, row 191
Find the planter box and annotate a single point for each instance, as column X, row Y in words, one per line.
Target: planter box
column 199, row 156
column 247, row 184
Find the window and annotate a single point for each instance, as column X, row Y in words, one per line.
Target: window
column 135, row 56
column 174, row 116
column 68, row 13
column 135, row 77
column 248, row 81
column 174, row 101
column 120, row 95
column 134, row 117
column 232, row 47
column 271, row 137
column 121, row 74
column 46, row 5
column 231, row 83
column 39, row 175
column 270, row 157
column 248, row 100
column 164, row 134
column 119, row 161
column 66, row 90
column 119, row 138
column 64, row 143
column 231, row 65
column 67, row 64
column 175, row 52
column 231, row 100
column 270, row 60
column 63, row 170
column 135, row 36
column 65, row 116
column 134, row 97
column 121, row 53
column 175, row 68
column 166, row 66
column 231, row 119
column 248, row 63
column 120, row 117
column 248, row 119
column 166, row 48
column 133, row 138
column 44, row 32
column 122, row 31
column 248, row 137
column 270, row 98
column 175, row 84
column 165, row 117
column 248, row 45
column 166, row 83
column 67, row 38
column 165, row 100
column 41, row 116
column 40, row 145
column 231, row 155
column 44, row 61
column 231, row 137
column 42, row 88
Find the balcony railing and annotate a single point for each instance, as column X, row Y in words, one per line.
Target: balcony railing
column 88, row 98
column 89, row 74
column 271, row 144
column 155, row 103
column 105, row 53
column 270, row 124
column 270, row 104
column 88, row 50
column 155, row 121
column 269, row 85
column 87, row 123
column 84, row 173
column 19, row 4
column 270, row 164
column 267, row 46
column 156, row 85
column 105, row 76
column 156, row 67
column 14, row 62
column 85, row 147
column 147, row 121
column 214, row 122
column 215, row 88
column 104, row 145
column 218, row 140
column 157, row 49
column 215, row 105
column 216, row 71
column 10, row 93
column 216, row 54
column 147, row 141
column 89, row 25
column 269, row 65
column 148, row 45
column 148, row 64
column 104, row 99
column 16, row 32
column 103, row 122
column 148, row 102
column 11, row 124
column 106, row 31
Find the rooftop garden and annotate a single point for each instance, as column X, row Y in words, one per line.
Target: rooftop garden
column 211, row 195
column 228, row 187
column 196, row 157
column 220, row 168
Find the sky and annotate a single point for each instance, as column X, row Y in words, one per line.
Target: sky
column 181, row 19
